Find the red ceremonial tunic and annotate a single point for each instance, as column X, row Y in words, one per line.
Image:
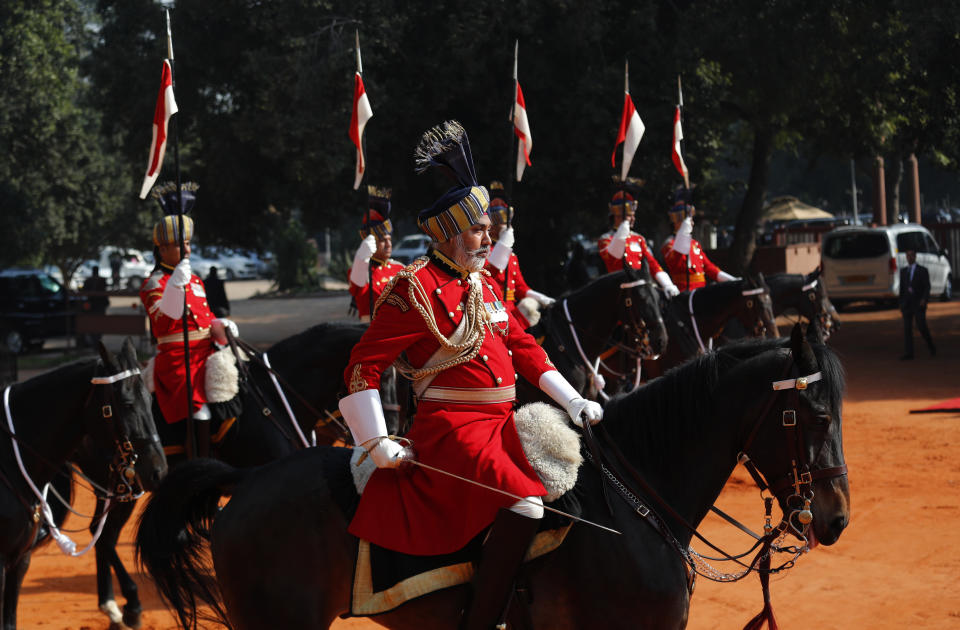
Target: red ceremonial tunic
column 636, row 252
column 382, row 273
column 169, row 367
column 696, row 267
column 417, row 511
column 512, row 286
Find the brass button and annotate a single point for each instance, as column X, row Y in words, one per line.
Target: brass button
column 510, row 352
column 459, row 283
column 484, row 357
column 438, row 291
column 499, row 380
column 515, row 376
column 450, row 314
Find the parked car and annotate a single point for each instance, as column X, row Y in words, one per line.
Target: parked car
column 33, row 309
column 135, row 267
column 410, row 247
column 230, row 264
column 863, row 263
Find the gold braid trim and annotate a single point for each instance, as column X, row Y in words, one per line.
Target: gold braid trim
column 475, row 316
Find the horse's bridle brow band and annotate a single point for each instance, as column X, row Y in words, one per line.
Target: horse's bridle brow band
column 113, row 378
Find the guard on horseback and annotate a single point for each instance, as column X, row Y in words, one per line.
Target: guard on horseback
column 523, row 302
column 163, row 295
column 683, row 255
column 464, row 350
column 372, row 266
column 625, row 246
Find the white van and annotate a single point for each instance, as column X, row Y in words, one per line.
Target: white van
column 863, row 263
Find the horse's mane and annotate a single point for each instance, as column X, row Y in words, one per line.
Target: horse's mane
column 314, row 337
column 590, row 285
column 673, row 406
column 54, row 380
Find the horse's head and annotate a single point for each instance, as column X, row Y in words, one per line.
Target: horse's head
column 797, row 443
column 823, row 314
column 643, row 316
column 756, row 315
column 124, row 423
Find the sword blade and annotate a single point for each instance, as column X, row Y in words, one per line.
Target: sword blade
column 510, row 494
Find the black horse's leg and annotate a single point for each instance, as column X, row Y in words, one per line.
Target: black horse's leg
column 10, row 583
column 107, row 559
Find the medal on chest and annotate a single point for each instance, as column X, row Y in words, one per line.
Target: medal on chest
column 497, row 318
column 197, row 289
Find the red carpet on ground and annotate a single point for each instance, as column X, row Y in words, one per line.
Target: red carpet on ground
column 946, row 406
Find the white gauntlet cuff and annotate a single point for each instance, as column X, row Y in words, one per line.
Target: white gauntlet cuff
column 363, row 413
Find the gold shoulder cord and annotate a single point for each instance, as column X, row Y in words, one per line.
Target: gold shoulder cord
column 473, row 332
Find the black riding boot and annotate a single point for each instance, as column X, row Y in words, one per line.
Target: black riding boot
column 503, row 552
column 202, row 428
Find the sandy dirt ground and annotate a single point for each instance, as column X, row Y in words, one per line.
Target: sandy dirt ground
column 894, row 567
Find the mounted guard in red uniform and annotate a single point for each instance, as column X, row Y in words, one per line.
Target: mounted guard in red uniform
column 625, row 246
column 463, row 351
column 163, row 295
column 683, row 255
column 372, row 267
column 523, row 302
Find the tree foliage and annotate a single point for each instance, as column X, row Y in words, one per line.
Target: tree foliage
column 264, row 90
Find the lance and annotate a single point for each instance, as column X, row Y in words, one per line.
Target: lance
column 191, row 443
column 510, row 494
column 686, row 183
column 363, row 143
column 512, row 161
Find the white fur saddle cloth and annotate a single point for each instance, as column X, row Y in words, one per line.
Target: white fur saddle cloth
column 550, row 444
column 221, row 377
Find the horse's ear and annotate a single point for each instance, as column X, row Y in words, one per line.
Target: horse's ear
column 128, row 353
column 813, row 275
column 803, row 355
column 109, row 360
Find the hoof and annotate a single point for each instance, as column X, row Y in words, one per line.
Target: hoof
column 131, row 618
column 111, row 610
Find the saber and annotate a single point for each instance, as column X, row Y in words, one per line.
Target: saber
column 509, row 494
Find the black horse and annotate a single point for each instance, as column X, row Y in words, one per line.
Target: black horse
column 612, row 321
column 695, row 317
column 103, row 399
column 309, row 369
column 805, row 295
column 283, row 558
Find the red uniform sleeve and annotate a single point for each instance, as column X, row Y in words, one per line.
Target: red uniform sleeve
column 676, row 263
column 655, row 267
column 708, row 267
column 612, row 263
column 522, row 287
column 398, row 326
column 529, row 359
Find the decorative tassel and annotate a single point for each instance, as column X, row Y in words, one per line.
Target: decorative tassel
column 765, row 615
column 447, row 147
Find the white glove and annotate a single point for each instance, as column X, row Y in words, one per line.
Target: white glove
column 723, row 276
column 229, row 325
column 542, row 300
column 506, row 237
column 181, row 274
column 500, row 255
column 361, row 261
column 556, row 387
column 618, row 244
column 171, row 302
column 681, row 241
column 384, row 452
column 663, row 279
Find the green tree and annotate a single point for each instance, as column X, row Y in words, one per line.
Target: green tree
column 57, row 175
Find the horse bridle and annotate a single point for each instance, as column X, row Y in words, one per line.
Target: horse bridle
column 800, row 478
column 763, row 303
column 636, row 322
column 124, row 479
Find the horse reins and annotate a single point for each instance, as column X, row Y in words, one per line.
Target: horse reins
column 123, row 466
column 800, row 477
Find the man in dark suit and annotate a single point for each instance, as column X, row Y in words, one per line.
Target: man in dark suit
column 914, row 295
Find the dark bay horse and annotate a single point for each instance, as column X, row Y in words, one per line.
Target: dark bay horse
column 103, row 399
column 311, row 364
column 615, row 319
column 695, row 317
column 283, row 558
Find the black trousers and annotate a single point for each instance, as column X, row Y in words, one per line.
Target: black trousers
column 920, row 315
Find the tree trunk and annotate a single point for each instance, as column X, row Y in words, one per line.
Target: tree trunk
column 894, row 176
column 745, row 239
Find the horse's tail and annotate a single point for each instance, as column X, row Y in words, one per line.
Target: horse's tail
column 174, row 532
